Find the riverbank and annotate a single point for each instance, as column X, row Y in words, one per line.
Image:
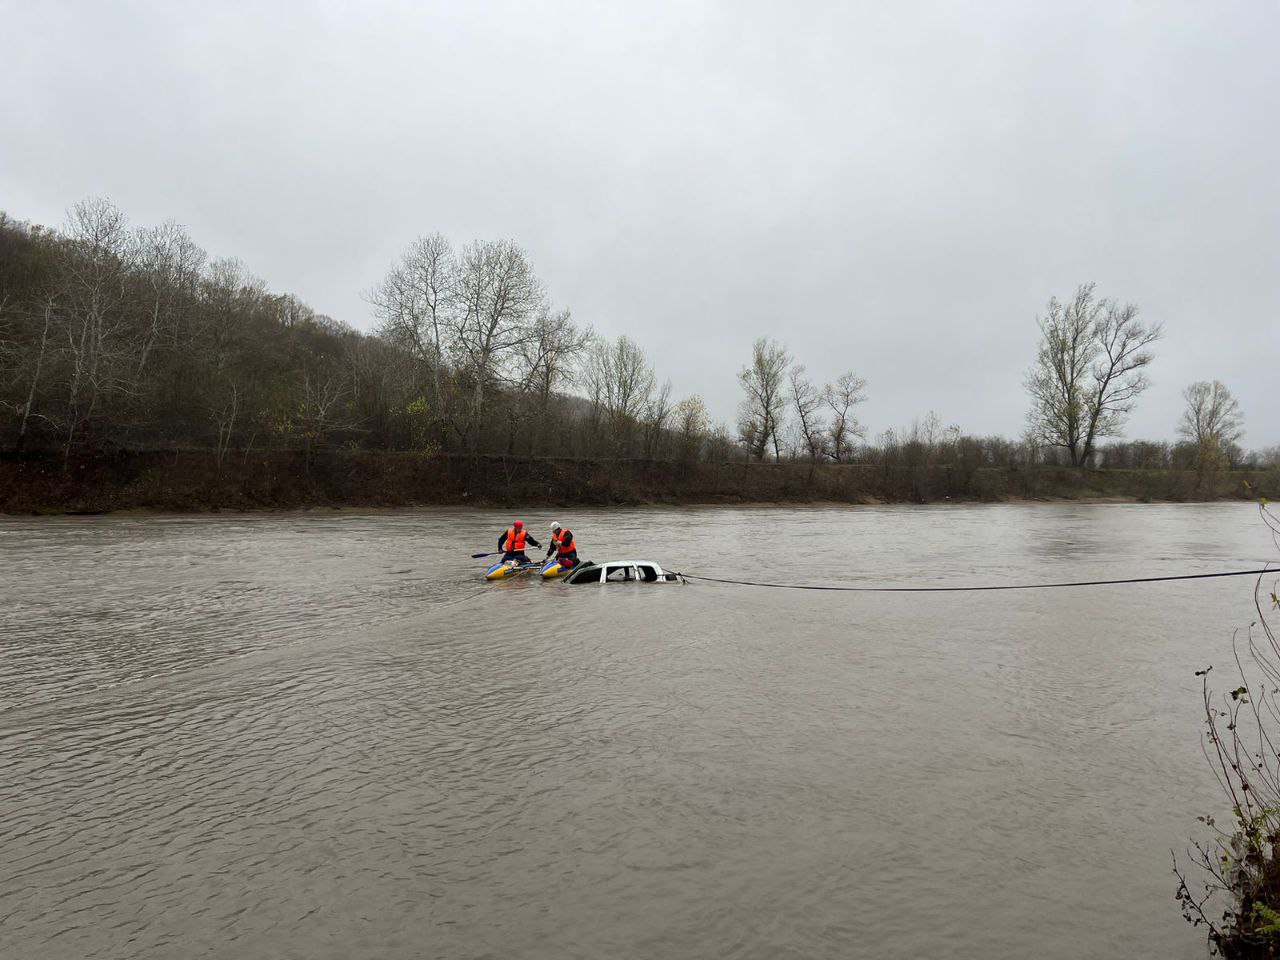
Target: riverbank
column 193, row 480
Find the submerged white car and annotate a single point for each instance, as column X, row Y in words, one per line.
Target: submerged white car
column 621, row 571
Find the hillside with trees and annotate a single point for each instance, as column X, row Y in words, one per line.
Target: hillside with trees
column 136, row 370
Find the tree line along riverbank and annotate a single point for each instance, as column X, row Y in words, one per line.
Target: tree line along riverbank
column 200, row 480
column 121, row 337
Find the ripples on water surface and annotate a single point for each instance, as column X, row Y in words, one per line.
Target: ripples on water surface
column 321, row 736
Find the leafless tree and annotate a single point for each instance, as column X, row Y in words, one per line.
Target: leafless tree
column 223, row 416
column 545, row 368
column 1212, row 425
column 620, row 383
column 721, row 447
column 323, row 396
column 498, row 299
column 290, row 312
column 321, row 399
column 841, row 397
column 806, row 401
column 98, row 351
column 618, row 377
column 1119, row 376
column 169, row 266
column 383, row 381
column 910, row 457
column 763, row 410
column 1212, row 415
column 417, row 302
column 229, row 298
column 1089, row 371
column 550, row 356
column 655, row 417
column 23, row 359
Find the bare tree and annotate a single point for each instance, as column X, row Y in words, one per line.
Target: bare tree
column 1212, row 415
column 23, row 360
column 229, row 298
column 170, row 265
column 655, row 416
column 498, row 298
column 1269, row 456
column 96, row 344
column 806, row 401
column 549, row 361
column 549, row 356
column 290, row 312
column 620, row 383
column 323, row 397
column 384, row 381
column 223, row 417
column 764, row 407
column 720, row 445
column 1119, row 375
column 1088, row 372
column 416, row 304
column 841, row 397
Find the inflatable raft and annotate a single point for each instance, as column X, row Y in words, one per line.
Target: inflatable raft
column 507, row 569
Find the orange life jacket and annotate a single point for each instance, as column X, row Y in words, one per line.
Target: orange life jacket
column 515, row 539
column 564, row 544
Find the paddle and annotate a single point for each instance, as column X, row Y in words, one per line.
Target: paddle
column 496, row 553
column 523, row 566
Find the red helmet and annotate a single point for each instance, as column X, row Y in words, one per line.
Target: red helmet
column 518, row 524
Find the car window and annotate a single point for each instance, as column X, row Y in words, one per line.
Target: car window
column 647, row 573
column 618, row 574
column 586, row 575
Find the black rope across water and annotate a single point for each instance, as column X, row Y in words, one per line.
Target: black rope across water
column 1003, row 586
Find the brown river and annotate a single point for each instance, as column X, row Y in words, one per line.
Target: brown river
column 320, row 735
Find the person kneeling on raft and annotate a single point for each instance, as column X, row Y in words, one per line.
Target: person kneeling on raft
column 563, row 546
column 512, row 542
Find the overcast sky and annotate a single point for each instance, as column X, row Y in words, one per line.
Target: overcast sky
column 893, row 188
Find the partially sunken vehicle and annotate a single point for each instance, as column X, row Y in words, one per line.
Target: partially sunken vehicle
column 621, row 571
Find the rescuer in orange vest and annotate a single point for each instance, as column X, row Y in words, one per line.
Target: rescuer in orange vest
column 512, row 542
column 563, row 545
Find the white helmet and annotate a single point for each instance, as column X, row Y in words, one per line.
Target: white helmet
column 555, row 526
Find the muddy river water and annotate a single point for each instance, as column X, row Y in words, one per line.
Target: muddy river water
column 320, row 735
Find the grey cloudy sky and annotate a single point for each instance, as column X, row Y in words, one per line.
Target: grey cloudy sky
column 895, row 188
